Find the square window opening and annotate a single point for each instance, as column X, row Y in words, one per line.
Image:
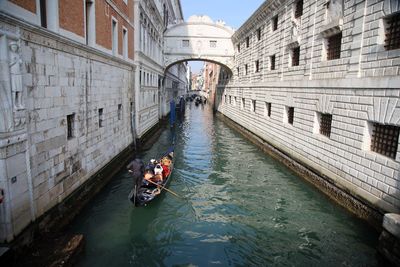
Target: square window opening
column 385, row 139
column 392, row 29
column 71, row 126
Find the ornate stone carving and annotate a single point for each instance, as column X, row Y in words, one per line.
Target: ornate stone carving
column 16, row 74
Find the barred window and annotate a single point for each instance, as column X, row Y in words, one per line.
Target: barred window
column 70, row 126
column 238, row 71
column 325, row 124
column 253, row 106
column 246, row 69
column 238, row 48
column 101, row 119
column 274, row 23
column 392, row 40
column 290, row 115
column 230, row 100
column 334, row 46
column 272, row 60
column 185, row 43
column 298, row 9
column 247, row 42
column 385, row 139
column 243, row 104
column 258, row 34
column 296, row 56
column 267, row 111
column 257, row 63
column 119, row 112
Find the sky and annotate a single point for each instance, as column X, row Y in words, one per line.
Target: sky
column 233, row 12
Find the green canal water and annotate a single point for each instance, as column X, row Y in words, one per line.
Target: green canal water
column 239, row 208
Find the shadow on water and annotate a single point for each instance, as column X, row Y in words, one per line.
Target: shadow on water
column 240, row 208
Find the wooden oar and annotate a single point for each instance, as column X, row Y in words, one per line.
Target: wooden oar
column 168, row 190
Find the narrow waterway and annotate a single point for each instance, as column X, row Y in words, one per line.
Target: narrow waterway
column 239, row 208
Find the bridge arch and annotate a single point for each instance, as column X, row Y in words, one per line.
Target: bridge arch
column 199, row 38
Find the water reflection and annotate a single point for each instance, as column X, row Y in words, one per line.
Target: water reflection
column 239, row 208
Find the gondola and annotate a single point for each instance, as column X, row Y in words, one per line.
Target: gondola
column 144, row 191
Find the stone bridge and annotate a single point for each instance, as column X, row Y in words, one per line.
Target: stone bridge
column 199, row 38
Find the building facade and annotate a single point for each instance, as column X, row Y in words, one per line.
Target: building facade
column 155, row 86
column 319, row 81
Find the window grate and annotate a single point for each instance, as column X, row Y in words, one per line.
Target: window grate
column 246, row 69
column 268, row 109
column 247, row 42
column 299, row 9
column 290, row 115
column 385, row 139
column 334, row 46
column 326, row 125
column 296, row 56
column 101, row 117
column 253, row 105
column 275, row 23
column 392, row 40
column 70, row 126
column 258, row 34
column 257, row 65
column 272, row 58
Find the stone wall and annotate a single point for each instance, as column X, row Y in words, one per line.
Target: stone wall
column 41, row 162
column 358, row 89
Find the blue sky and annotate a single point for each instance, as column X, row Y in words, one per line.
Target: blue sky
column 233, row 12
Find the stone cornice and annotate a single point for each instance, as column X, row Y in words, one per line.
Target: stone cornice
column 265, row 11
column 102, row 56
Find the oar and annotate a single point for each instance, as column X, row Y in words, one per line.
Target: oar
column 168, row 190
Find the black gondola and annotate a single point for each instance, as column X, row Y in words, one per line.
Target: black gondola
column 144, row 191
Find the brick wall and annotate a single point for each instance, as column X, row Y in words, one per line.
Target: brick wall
column 71, row 14
column 26, row 4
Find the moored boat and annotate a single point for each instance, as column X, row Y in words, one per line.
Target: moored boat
column 151, row 179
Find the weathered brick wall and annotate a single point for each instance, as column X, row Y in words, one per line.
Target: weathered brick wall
column 359, row 88
column 26, row 4
column 71, row 16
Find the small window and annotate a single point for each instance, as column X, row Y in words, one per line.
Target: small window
column 43, row 13
column 247, row 42
column 119, row 112
column 258, row 34
column 298, row 9
column 125, row 43
column 185, row 43
column 114, row 32
column 246, row 69
column 225, row 99
column 385, row 139
column 290, row 115
column 70, row 126
column 392, row 40
column 101, row 119
column 238, row 71
column 257, row 65
column 272, row 61
column 238, row 48
column 274, row 23
column 325, row 124
column 242, row 104
column 230, row 100
column 267, row 111
column 213, row 44
column 334, row 44
column 296, row 56
column 234, row 101
column 253, row 106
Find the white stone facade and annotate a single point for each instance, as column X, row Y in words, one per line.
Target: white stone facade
column 155, row 85
column 359, row 88
column 53, row 141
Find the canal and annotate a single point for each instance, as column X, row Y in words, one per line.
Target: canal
column 239, row 207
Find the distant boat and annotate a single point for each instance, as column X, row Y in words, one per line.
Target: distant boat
column 146, row 189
